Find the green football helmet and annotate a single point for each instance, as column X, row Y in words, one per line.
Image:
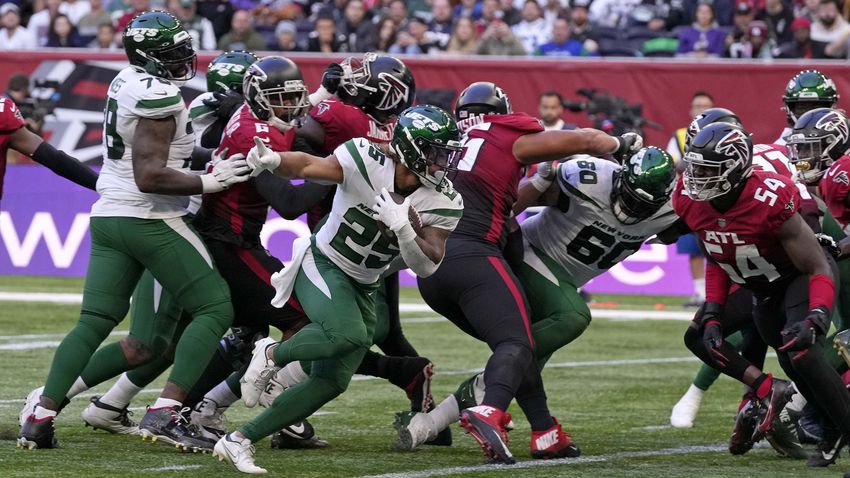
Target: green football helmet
column 643, row 185
column 426, row 136
column 808, row 90
column 227, row 70
column 157, row 42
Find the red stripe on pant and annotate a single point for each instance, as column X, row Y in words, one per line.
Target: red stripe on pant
column 512, row 287
column 247, row 257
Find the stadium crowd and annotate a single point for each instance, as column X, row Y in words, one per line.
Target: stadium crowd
column 659, row 28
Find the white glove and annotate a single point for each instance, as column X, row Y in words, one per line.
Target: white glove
column 393, row 215
column 225, row 172
column 544, row 176
column 261, row 158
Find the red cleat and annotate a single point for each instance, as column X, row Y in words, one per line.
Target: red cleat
column 553, row 443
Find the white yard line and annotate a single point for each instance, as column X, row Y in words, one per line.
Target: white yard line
column 462, row 470
column 52, row 297
column 173, row 468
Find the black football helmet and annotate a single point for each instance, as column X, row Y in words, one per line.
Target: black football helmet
column 818, row 139
column 720, row 159
column 274, row 88
column 479, row 99
column 707, row 117
column 381, row 85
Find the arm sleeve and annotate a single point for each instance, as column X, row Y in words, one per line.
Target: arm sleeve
column 288, row 200
column 716, row 284
column 65, row 166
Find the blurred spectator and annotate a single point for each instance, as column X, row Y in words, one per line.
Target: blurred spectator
column 105, row 39
column 219, row 12
column 468, row 8
column 801, row 45
column 744, row 14
column 397, row 10
column 464, row 40
column 12, row 35
column 284, row 34
column 498, row 39
column 510, row 14
column 754, row 44
column 405, row 44
column 62, row 34
column 359, row 32
column 551, row 108
column 39, row 23
column 611, row 13
column 118, row 7
column 703, row 38
column 490, row 10
column 89, row 25
column 723, row 9
column 778, row 17
column 580, row 27
column 138, row 7
column 562, row 44
column 533, row 30
column 441, row 24
column 242, row 35
column 552, row 10
column 830, row 29
column 325, row 37
column 75, row 9
column 201, row 29
column 414, row 39
column 808, row 9
column 387, row 32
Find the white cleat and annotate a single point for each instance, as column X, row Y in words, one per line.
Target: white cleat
column 685, row 411
column 29, row 407
column 210, row 419
column 413, row 430
column 102, row 416
column 238, row 453
column 259, row 372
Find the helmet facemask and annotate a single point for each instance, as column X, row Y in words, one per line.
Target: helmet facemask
column 285, row 103
column 810, row 156
column 427, row 154
column 631, row 205
column 177, row 62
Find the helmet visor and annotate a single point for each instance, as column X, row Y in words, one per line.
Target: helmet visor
column 179, row 60
column 809, row 156
column 706, row 180
column 440, row 162
column 287, row 102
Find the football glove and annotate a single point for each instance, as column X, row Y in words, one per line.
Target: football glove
column 630, row 144
column 829, row 245
column 393, row 215
column 801, row 335
column 224, row 103
column 712, row 332
column 333, row 76
column 261, row 158
column 225, row 172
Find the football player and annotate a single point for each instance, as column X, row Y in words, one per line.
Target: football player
column 474, row 287
column 138, row 223
column 750, row 225
column 335, row 273
column 597, row 213
column 806, row 91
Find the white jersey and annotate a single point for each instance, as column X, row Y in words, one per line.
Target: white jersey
column 582, row 235
column 350, row 237
column 134, row 94
column 202, row 117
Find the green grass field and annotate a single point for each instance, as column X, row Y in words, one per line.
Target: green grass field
column 617, row 411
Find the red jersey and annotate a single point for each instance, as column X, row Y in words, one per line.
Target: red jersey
column 10, row 121
column 343, row 122
column 743, row 240
column 240, row 212
column 488, row 176
column 834, row 189
column 773, row 158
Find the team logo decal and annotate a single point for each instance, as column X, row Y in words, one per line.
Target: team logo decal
column 395, row 91
column 323, row 107
column 834, row 123
column 721, row 222
column 790, row 205
column 733, row 144
column 842, row 178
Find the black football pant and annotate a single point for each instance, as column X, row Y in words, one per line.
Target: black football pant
column 481, row 296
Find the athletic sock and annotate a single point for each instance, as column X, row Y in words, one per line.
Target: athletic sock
column 77, row 388
column 121, row 394
column 222, row 395
column 291, row 374
column 699, row 288
column 444, row 414
column 762, row 385
column 41, row 413
column 165, row 403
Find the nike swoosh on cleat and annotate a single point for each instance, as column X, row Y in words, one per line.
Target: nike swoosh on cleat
column 299, row 429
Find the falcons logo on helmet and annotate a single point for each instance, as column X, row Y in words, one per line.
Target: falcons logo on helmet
column 395, row 92
column 833, row 122
column 733, row 145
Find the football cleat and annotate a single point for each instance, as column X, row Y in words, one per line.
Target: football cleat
column 828, row 449
column 780, row 392
column 746, row 422
column 298, row 436
column 168, row 424
column 553, row 443
column 37, row 433
column 414, row 429
column 784, row 437
column 419, row 388
column 239, row 453
column 29, row 406
column 686, row 408
column 487, row 425
column 99, row 415
column 209, row 419
column 260, row 370
column 841, row 342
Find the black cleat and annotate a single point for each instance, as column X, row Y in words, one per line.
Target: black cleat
column 828, row 449
column 37, row 434
column 298, row 436
column 418, row 389
column 487, row 425
column 171, row 426
column 780, row 392
column 745, row 425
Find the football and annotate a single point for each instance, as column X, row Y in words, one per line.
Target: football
column 412, row 216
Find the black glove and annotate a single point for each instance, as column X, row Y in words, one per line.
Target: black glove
column 332, row 77
column 712, row 331
column 630, row 144
column 829, row 245
column 224, row 103
column 800, row 336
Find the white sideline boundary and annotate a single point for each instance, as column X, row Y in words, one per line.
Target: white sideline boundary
column 462, row 470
